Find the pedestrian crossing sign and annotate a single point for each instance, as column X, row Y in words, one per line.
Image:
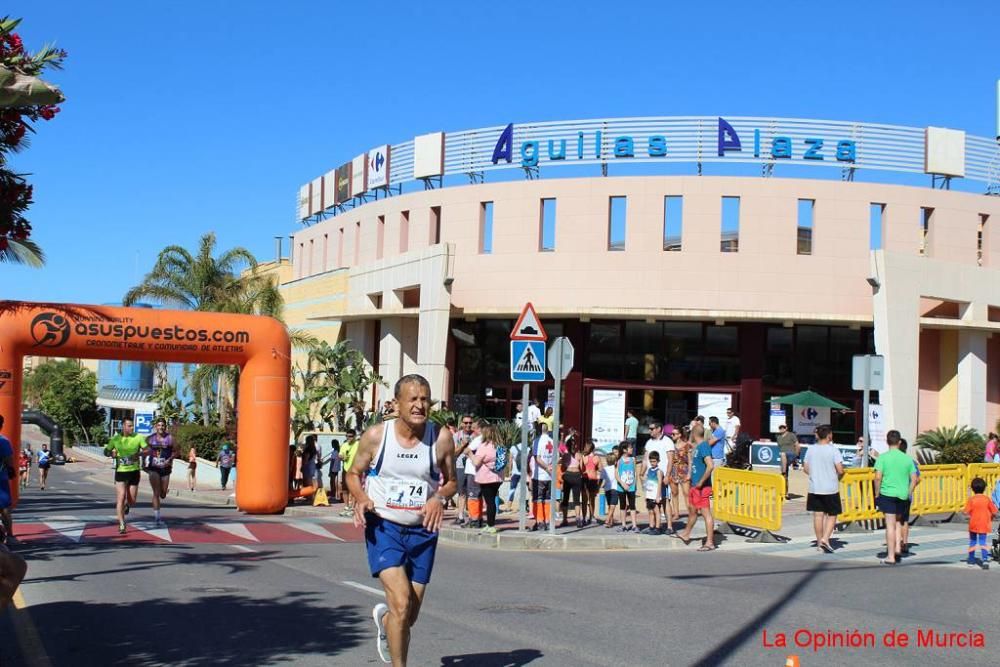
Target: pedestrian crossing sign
column 527, row 360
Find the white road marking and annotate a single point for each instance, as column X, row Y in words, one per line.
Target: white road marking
column 240, row 547
column 315, row 529
column 150, row 527
column 237, row 529
column 71, row 529
column 366, row 589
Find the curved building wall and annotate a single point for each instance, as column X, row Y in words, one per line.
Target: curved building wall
column 415, row 260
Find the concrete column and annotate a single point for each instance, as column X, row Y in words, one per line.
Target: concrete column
column 432, row 349
column 897, row 338
column 972, row 379
column 390, row 355
column 972, row 357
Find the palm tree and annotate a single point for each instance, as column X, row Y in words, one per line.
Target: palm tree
column 194, row 282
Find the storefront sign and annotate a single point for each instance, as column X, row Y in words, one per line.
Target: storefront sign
column 607, row 422
column 805, row 418
column 588, row 145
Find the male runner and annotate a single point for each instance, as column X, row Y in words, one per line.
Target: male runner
column 160, row 455
column 410, row 466
column 125, row 448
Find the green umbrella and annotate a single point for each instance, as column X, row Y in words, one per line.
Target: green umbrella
column 809, row 399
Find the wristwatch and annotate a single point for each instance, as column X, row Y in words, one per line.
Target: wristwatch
column 442, row 498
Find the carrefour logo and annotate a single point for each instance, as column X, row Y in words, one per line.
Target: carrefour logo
column 50, row 329
column 809, row 414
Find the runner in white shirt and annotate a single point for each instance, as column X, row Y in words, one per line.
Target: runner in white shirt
column 665, row 447
column 409, row 464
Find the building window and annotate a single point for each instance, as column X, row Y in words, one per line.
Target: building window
column 983, row 218
column 673, row 216
column 486, row 228
column 925, row 227
column 404, row 231
column 730, row 225
column 340, row 249
column 547, row 226
column 302, row 259
column 876, row 231
column 617, row 211
column 805, row 234
column 380, row 238
column 309, row 264
column 326, row 252
column 435, row 225
column 357, row 242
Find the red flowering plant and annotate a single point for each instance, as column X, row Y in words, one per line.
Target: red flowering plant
column 24, row 101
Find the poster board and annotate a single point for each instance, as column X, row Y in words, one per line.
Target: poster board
column 607, row 422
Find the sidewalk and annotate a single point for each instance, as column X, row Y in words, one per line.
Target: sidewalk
column 796, row 529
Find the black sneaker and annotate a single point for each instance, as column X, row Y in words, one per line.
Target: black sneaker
column 985, row 565
column 126, row 509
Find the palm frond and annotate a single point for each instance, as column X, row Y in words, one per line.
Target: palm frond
column 25, row 252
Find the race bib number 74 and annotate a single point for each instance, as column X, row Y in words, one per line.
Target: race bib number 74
column 406, row 495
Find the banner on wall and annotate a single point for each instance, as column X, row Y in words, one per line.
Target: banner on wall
column 805, row 418
column 714, row 405
column 607, row 422
column 359, row 171
column 876, row 429
column 378, row 167
column 343, row 183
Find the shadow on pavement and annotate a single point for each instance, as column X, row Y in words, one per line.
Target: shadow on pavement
column 212, row 631
column 168, row 556
column 751, row 629
column 516, row 658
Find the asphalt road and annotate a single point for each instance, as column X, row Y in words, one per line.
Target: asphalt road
column 273, row 599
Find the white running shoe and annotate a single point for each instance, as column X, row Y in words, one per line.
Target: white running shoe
column 381, row 641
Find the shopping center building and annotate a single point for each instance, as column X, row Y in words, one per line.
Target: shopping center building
column 747, row 257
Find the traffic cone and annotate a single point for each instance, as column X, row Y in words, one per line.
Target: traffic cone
column 320, row 499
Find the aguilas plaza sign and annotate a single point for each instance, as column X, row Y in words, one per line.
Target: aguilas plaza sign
column 590, row 145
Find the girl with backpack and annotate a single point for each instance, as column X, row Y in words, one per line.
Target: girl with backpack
column 487, row 460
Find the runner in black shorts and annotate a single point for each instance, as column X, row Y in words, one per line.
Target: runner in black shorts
column 125, row 447
column 159, row 457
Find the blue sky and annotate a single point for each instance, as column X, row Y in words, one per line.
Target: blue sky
column 188, row 117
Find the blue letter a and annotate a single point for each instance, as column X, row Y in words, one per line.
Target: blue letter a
column 503, row 149
column 728, row 139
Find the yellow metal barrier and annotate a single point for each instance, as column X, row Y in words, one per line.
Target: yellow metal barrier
column 942, row 489
column 857, row 495
column 990, row 472
column 749, row 499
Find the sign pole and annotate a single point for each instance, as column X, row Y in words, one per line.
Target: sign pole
column 523, row 484
column 866, row 408
column 555, row 433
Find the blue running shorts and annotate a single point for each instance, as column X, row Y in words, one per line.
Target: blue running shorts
column 394, row 545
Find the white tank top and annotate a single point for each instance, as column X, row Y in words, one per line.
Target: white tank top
column 401, row 480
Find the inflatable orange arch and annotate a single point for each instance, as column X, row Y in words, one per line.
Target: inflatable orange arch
column 258, row 345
